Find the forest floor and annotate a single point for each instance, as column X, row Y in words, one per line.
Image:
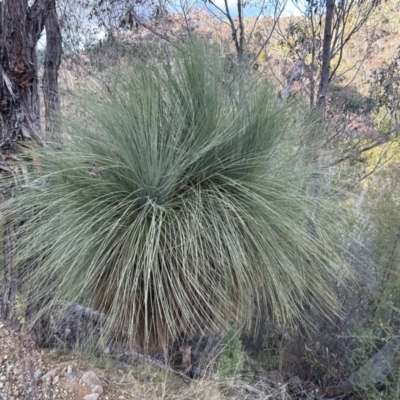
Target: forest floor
column 30, row 372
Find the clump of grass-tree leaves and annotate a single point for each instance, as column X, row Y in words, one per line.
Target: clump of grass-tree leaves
column 178, row 203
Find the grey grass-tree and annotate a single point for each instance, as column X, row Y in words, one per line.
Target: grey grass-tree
column 176, row 210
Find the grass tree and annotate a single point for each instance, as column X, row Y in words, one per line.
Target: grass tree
column 175, row 208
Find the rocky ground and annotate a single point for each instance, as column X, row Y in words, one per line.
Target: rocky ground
column 28, row 372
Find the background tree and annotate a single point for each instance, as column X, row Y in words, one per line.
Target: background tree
column 385, row 96
column 317, row 42
column 234, row 18
column 50, row 74
column 21, row 28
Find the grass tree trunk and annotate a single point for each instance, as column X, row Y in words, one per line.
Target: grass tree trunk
column 20, row 28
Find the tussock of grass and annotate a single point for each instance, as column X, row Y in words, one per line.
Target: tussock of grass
column 178, row 206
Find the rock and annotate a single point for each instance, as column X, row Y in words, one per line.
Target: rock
column 70, row 375
column 97, row 389
column 46, row 388
column 56, row 379
column 91, row 379
column 92, row 396
column 295, row 384
column 49, row 376
column 274, row 378
column 38, row 374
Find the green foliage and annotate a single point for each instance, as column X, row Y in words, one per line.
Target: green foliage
column 232, row 359
column 178, row 204
column 383, row 121
column 384, row 93
column 377, row 296
column 365, row 343
column 298, row 37
column 381, row 207
column 263, row 57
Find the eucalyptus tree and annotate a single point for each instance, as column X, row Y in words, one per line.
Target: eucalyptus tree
column 317, row 41
column 384, row 93
column 172, row 21
column 233, row 16
column 22, row 24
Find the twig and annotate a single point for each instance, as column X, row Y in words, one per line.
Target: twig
column 251, row 389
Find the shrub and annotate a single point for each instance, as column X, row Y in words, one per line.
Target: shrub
column 178, row 204
column 263, row 57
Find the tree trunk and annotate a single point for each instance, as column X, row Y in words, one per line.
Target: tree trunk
column 20, row 29
column 50, row 76
column 326, row 57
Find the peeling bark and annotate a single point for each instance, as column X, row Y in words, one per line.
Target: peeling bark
column 20, row 29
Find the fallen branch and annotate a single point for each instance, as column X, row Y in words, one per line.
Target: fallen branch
column 248, row 388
